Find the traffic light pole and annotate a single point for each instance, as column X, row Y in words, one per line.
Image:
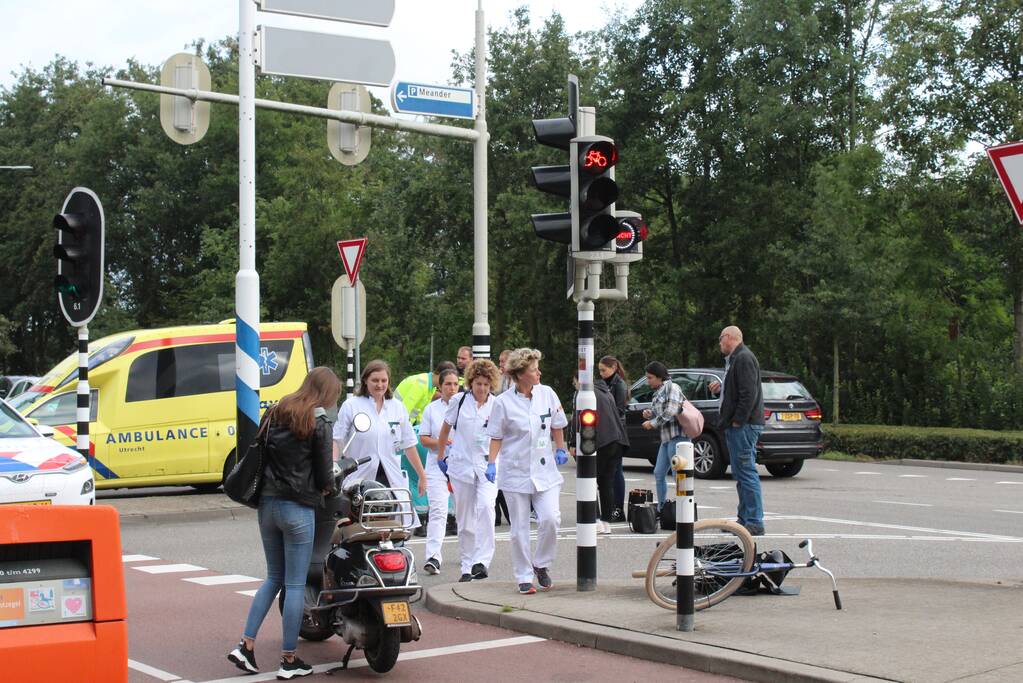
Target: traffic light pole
column 246, row 350
column 481, row 322
column 586, row 463
column 82, row 413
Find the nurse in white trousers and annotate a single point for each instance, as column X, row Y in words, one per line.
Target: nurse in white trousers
column 389, row 434
column 437, row 483
column 466, row 465
column 527, row 434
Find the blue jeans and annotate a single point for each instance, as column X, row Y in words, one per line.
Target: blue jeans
column 287, row 531
column 742, row 453
column 664, row 455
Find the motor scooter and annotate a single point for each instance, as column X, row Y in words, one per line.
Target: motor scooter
column 362, row 577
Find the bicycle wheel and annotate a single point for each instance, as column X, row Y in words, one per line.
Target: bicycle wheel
column 721, row 549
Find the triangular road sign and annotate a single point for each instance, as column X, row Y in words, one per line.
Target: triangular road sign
column 1008, row 162
column 351, row 256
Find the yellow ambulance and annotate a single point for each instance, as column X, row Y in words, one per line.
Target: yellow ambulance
column 163, row 401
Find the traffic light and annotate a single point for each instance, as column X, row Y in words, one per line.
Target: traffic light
column 556, row 180
column 594, row 192
column 79, row 253
column 588, row 431
column 632, row 231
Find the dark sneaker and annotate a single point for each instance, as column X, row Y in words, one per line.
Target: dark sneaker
column 432, row 566
column 526, row 589
column 617, row 515
column 243, row 658
column 543, row 578
column 479, row 571
column 293, row 669
column 465, row 578
column 754, row 530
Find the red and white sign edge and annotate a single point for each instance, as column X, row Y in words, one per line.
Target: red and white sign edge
column 1008, row 162
column 351, row 256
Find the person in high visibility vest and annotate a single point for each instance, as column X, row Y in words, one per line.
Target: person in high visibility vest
column 418, row 391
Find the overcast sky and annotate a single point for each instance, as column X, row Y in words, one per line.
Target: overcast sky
column 109, row 32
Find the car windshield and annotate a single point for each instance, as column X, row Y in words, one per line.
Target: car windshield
column 12, row 426
column 783, row 389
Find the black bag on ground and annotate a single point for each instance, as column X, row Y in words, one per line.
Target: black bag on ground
column 638, row 497
column 245, row 481
column 643, row 518
column 668, row 516
column 768, row 581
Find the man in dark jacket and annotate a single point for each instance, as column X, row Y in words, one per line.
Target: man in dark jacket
column 742, row 419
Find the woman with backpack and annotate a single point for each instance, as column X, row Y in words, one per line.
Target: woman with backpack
column 465, row 463
column 298, row 474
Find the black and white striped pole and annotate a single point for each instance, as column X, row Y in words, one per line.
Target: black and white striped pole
column 350, row 374
column 82, row 412
column 685, row 519
column 586, row 456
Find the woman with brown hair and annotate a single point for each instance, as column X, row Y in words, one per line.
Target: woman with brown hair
column 298, row 474
column 613, row 374
column 390, row 432
column 465, row 463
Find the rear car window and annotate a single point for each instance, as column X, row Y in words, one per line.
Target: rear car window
column 783, row 389
column 200, row 369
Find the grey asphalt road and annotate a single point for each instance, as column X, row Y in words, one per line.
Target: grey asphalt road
column 866, row 519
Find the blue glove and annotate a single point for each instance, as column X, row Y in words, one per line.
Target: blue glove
column 491, row 472
column 561, row 456
column 443, row 465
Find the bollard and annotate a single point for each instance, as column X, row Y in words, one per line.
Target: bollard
column 685, row 517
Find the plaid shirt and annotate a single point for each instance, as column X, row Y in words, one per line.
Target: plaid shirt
column 665, row 406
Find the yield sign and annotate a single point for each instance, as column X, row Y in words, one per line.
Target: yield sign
column 1008, row 162
column 351, row 256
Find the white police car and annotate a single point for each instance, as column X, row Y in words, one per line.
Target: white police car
column 36, row 470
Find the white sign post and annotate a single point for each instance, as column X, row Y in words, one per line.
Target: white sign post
column 1008, row 162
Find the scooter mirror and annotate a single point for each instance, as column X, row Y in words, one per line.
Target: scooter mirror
column 362, row 422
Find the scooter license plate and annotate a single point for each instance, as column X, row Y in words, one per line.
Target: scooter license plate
column 396, row 613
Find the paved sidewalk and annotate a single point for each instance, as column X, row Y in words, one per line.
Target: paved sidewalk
column 889, row 629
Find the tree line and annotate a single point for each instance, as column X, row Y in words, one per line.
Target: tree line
column 811, row 171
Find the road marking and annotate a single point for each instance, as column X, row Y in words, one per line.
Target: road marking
column 827, row 469
column 1009, row 482
column 901, row 527
column 403, row 657
column 635, row 480
column 137, row 558
column 912, row 476
column 959, row 479
column 220, row 580
column 250, row 593
column 154, row 672
column 1013, row 512
column 866, row 473
column 170, row 568
column 718, row 488
column 888, row 502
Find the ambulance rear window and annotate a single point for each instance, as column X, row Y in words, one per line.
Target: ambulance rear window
column 200, row 369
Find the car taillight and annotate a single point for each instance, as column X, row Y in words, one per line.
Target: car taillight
column 389, row 562
column 813, row 414
column 767, row 414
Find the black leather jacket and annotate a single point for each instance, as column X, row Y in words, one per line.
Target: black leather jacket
column 297, row 469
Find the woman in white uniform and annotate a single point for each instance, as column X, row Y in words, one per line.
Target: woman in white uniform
column 437, row 483
column 389, row 434
column 466, row 466
column 527, row 433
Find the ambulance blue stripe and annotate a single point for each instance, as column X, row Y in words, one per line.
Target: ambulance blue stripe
column 248, row 400
column 103, row 470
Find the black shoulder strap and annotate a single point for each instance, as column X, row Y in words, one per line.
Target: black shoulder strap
column 459, row 411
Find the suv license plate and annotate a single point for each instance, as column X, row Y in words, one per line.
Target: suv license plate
column 31, row 502
column 396, row 613
column 790, row 417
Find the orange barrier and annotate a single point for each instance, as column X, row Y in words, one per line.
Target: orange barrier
column 62, row 604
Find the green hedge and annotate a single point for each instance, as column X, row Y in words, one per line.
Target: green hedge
column 925, row 443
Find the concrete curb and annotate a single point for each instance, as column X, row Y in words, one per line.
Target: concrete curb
column 177, row 516
column 445, row 601
column 952, row 464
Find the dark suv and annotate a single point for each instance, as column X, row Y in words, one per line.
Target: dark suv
column 792, row 429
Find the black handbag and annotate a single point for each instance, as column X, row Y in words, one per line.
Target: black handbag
column 668, row 516
column 245, row 481
column 643, row 518
column 638, row 497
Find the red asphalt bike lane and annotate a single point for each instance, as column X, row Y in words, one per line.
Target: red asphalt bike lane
column 182, row 631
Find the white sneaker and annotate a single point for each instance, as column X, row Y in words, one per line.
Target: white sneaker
column 603, row 528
